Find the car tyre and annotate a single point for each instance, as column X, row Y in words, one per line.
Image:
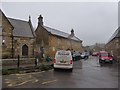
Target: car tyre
column 55, row 69
column 111, row 62
column 100, row 61
column 86, row 57
column 71, row 69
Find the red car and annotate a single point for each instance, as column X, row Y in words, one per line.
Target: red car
column 105, row 57
column 95, row 54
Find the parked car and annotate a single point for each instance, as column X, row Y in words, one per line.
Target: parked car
column 85, row 55
column 76, row 56
column 105, row 57
column 95, row 54
column 63, row 60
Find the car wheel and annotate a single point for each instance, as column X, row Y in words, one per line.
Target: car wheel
column 86, row 58
column 100, row 61
column 111, row 62
column 55, row 69
column 71, row 69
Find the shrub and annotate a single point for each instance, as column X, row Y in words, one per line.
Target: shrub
column 45, row 67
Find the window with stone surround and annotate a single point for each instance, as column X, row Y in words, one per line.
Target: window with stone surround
column 25, row 50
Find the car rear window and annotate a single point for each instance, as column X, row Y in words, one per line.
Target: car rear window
column 63, row 53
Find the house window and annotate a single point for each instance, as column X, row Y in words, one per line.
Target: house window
column 25, row 50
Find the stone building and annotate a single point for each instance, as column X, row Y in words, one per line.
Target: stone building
column 113, row 45
column 49, row 40
column 18, row 37
column 98, row 47
column 24, row 37
column 6, row 36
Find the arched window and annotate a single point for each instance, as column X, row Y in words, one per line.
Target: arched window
column 25, row 50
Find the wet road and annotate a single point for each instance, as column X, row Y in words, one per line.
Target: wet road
column 86, row 74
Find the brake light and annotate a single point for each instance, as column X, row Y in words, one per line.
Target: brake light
column 71, row 61
column 111, row 59
column 54, row 60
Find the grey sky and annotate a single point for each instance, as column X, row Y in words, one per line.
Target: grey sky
column 92, row 21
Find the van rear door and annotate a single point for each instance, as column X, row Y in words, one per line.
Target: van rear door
column 63, row 57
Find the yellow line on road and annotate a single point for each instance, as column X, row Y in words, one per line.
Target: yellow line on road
column 49, row 82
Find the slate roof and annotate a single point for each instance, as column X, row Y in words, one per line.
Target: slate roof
column 116, row 34
column 21, row 28
column 60, row 33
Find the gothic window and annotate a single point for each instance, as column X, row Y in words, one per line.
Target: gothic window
column 25, row 50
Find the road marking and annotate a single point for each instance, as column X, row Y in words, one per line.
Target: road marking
column 9, row 85
column 35, row 81
column 47, row 82
column 23, row 82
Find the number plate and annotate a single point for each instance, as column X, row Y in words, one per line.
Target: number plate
column 107, row 60
column 63, row 61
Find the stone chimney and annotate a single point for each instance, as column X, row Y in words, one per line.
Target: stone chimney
column 72, row 33
column 40, row 20
column 29, row 18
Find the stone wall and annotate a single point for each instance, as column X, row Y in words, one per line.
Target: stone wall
column 12, row 63
column 18, row 44
column 114, row 48
column 51, row 43
column 56, row 43
column 42, row 36
column 7, row 37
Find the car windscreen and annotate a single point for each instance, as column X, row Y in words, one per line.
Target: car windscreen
column 104, row 54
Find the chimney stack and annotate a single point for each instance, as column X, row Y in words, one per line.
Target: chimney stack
column 40, row 20
column 72, row 33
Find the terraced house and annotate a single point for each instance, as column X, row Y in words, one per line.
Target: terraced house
column 113, row 46
column 18, row 37
column 49, row 40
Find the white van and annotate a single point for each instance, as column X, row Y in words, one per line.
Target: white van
column 63, row 60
